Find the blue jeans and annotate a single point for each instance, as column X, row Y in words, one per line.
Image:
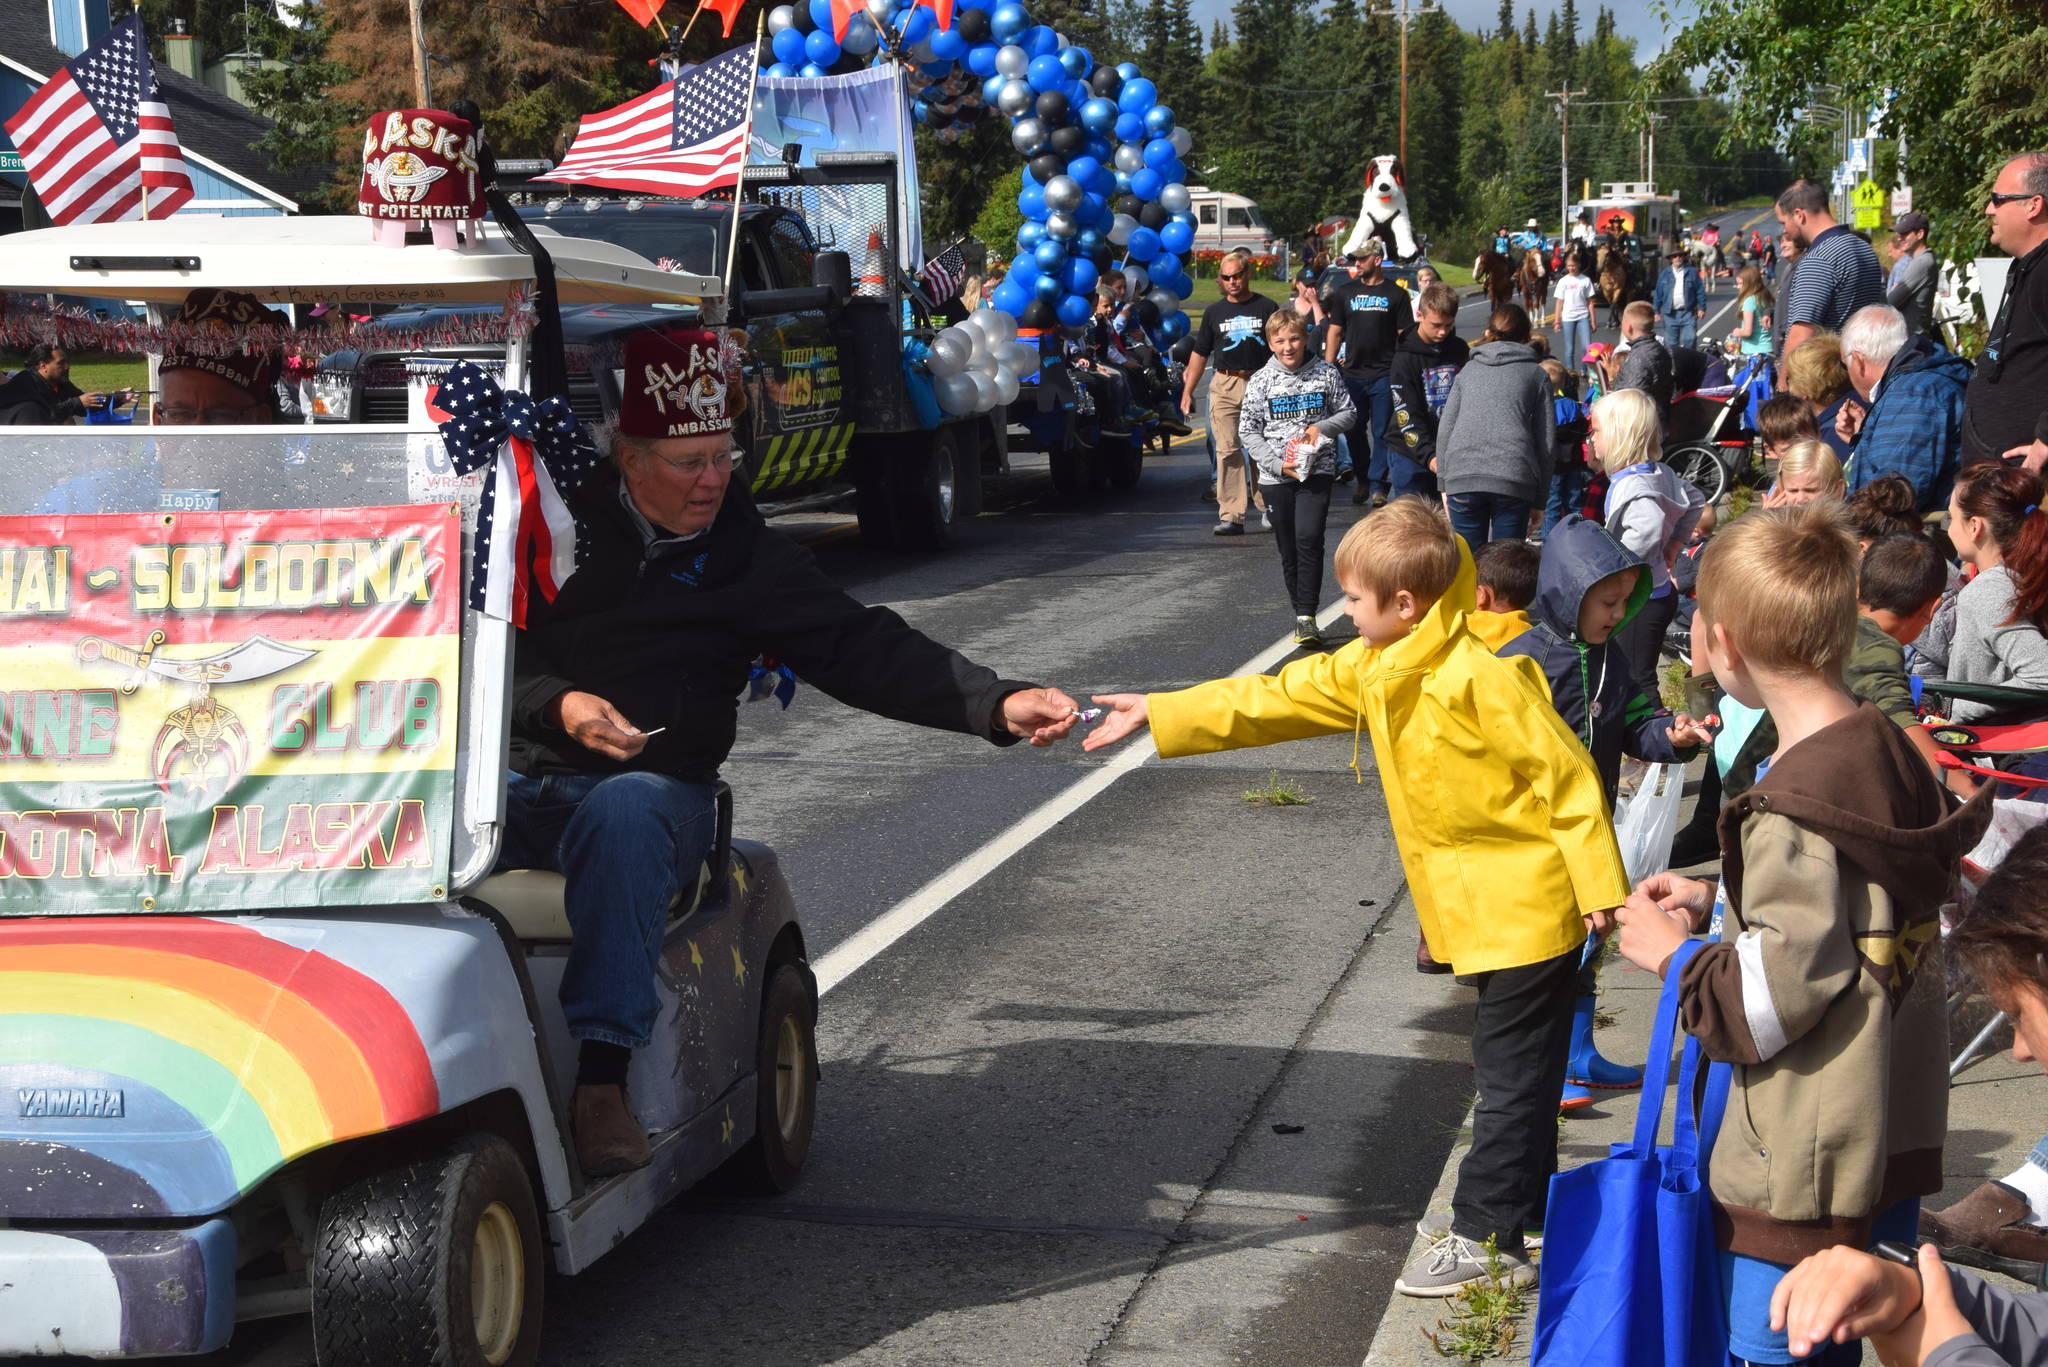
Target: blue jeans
column 1408, row 477
column 626, row 843
column 1681, row 329
column 1574, row 336
column 1567, row 491
column 1482, row 517
column 1374, row 400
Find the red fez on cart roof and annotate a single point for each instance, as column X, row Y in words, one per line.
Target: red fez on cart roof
column 675, row 385
column 420, row 164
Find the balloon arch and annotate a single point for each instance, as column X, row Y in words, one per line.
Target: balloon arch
column 1105, row 176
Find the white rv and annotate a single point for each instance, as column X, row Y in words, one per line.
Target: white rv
column 1224, row 221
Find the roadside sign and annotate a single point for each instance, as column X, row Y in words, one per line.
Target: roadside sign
column 1902, row 200
column 1868, row 200
column 10, row 161
column 1859, row 154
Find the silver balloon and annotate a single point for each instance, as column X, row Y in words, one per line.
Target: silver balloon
column 1027, row 135
column 1182, row 140
column 1000, row 326
column 780, row 18
column 985, row 391
column 984, row 364
column 958, row 394
column 1120, row 229
column 1136, row 281
column 978, row 324
column 1174, row 198
column 1064, row 192
column 1061, row 224
column 879, row 10
column 1014, row 98
column 1165, row 300
column 861, row 38
column 1019, row 358
column 959, row 337
column 1012, row 61
column 950, row 354
column 1129, row 158
column 1006, row 387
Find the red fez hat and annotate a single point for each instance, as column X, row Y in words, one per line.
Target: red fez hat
column 230, row 313
column 420, row 164
column 675, row 385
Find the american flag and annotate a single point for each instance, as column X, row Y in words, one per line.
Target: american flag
column 943, row 273
column 681, row 138
column 97, row 137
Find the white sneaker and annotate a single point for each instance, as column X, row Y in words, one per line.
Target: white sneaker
column 1437, row 1223
column 1265, row 522
column 1455, row 1262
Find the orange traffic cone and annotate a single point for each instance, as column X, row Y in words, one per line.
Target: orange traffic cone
column 873, row 273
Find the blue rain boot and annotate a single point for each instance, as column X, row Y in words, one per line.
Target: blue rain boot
column 1586, row 1068
column 1575, row 1098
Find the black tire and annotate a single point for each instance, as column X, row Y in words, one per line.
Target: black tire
column 925, row 488
column 786, row 1094
column 873, row 507
column 1699, row 464
column 1123, row 461
column 1069, row 469
column 975, row 443
column 396, row 1264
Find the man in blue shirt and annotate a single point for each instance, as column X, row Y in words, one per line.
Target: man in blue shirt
column 1838, row 271
column 1680, row 301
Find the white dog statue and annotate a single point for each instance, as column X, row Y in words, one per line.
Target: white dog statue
column 1384, row 212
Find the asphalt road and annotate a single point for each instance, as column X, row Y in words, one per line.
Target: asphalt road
column 1047, row 1121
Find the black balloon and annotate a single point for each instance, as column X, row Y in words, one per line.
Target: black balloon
column 1129, row 204
column 1052, row 107
column 973, row 25
column 1101, row 255
column 1039, row 314
column 1045, row 165
column 1070, row 141
column 1148, row 313
column 1154, row 216
column 1105, row 81
column 971, row 113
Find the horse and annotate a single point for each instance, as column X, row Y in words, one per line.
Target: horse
column 1614, row 283
column 1496, row 275
column 1534, row 279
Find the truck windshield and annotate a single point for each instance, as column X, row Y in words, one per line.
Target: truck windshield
column 694, row 244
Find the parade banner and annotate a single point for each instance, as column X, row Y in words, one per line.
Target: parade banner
column 208, row 711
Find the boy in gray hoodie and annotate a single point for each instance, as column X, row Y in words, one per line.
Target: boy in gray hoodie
column 1293, row 410
column 1493, row 442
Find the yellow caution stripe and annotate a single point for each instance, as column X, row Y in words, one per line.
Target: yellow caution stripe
column 797, row 458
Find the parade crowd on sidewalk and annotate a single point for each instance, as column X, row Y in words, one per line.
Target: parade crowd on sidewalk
column 1898, row 547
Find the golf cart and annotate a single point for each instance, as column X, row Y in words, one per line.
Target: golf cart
column 275, row 1038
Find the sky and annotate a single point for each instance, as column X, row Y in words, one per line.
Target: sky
column 1633, row 18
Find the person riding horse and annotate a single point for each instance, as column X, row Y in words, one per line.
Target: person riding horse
column 1495, row 273
column 1534, row 278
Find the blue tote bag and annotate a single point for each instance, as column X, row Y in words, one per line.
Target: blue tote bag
column 1630, row 1272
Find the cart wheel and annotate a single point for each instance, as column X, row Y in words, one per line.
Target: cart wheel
column 434, row 1264
column 926, row 492
column 1123, row 461
column 786, row 1094
column 1699, row 465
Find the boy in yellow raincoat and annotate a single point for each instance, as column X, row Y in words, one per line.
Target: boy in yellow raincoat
column 1504, row 835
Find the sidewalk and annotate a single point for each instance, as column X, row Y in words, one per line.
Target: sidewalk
column 1998, row 1110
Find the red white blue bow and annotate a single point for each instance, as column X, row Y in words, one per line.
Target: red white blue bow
column 527, row 540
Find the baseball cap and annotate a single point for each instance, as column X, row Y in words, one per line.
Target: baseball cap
column 1370, row 249
column 1914, row 222
column 675, row 385
column 1305, row 276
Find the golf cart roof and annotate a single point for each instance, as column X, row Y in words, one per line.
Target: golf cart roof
column 306, row 260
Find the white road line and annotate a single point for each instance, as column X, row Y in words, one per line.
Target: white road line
column 846, row 958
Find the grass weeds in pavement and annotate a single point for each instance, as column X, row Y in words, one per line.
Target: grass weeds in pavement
column 1485, row 1316
column 1278, row 792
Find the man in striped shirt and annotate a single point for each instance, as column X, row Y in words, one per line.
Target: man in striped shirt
column 1838, row 271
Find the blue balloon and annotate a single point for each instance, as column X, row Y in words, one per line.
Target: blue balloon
column 1029, row 235
column 861, row 39
column 782, row 68
column 991, row 87
column 811, row 71
column 1159, row 121
column 1008, row 20
column 1175, row 171
column 1127, row 70
column 789, row 47
column 1176, row 236
column 918, row 27
column 1184, row 216
column 1011, row 298
column 920, row 112
column 948, row 45
column 820, row 47
column 1147, row 184
column 981, row 60
column 1123, row 182
column 1077, row 92
column 1130, row 127
column 1175, row 326
column 821, row 15
column 1083, row 169
column 976, row 4
column 1047, row 287
column 1023, row 271
column 1045, row 74
column 1074, row 309
column 1100, row 148
column 1031, row 202
column 1097, row 115
column 938, row 71
column 1041, row 41
column 1079, row 275
column 1050, row 254
column 1143, row 246
column 1103, row 183
column 1159, row 151
column 1077, row 61
column 1136, row 97
column 1087, row 240
column 1094, row 209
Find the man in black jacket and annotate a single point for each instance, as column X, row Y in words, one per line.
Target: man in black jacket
column 1418, row 384
column 626, row 699
column 41, row 393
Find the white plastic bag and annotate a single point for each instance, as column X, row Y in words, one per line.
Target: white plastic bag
column 1648, row 821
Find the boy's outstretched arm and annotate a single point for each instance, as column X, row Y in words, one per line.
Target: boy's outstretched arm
column 1317, row 695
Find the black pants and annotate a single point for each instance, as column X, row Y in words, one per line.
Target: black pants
column 1519, row 1041
column 1642, row 640
column 1300, row 510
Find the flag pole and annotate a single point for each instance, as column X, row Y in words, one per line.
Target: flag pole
column 732, row 248
column 693, row 22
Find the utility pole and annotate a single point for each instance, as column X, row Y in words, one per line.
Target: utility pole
column 1651, row 177
column 422, row 85
column 1407, row 14
column 1564, row 100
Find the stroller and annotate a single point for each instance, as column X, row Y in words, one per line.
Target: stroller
column 1713, row 431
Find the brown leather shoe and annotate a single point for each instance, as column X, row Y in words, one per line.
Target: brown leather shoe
column 1427, row 963
column 1993, row 1218
column 609, row 1140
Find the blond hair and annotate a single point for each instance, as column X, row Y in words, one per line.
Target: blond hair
column 1241, row 258
column 1642, row 313
column 1628, row 429
column 1285, row 320
column 1809, row 457
column 1408, row 545
column 1782, row 584
column 1814, row 370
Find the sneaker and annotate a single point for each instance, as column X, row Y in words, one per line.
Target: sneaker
column 1265, row 522
column 1170, row 423
column 1454, row 1262
column 1305, row 633
column 1228, row 528
column 1437, row 1223
column 1360, row 494
column 1379, row 500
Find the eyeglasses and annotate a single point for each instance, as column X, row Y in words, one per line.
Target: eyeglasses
column 177, row 415
column 1997, row 198
column 692, row 466
column 1230, row 275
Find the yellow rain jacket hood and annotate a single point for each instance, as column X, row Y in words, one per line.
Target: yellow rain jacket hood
column 1497, row 810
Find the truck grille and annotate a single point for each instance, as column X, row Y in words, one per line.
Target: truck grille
column 387, row 403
